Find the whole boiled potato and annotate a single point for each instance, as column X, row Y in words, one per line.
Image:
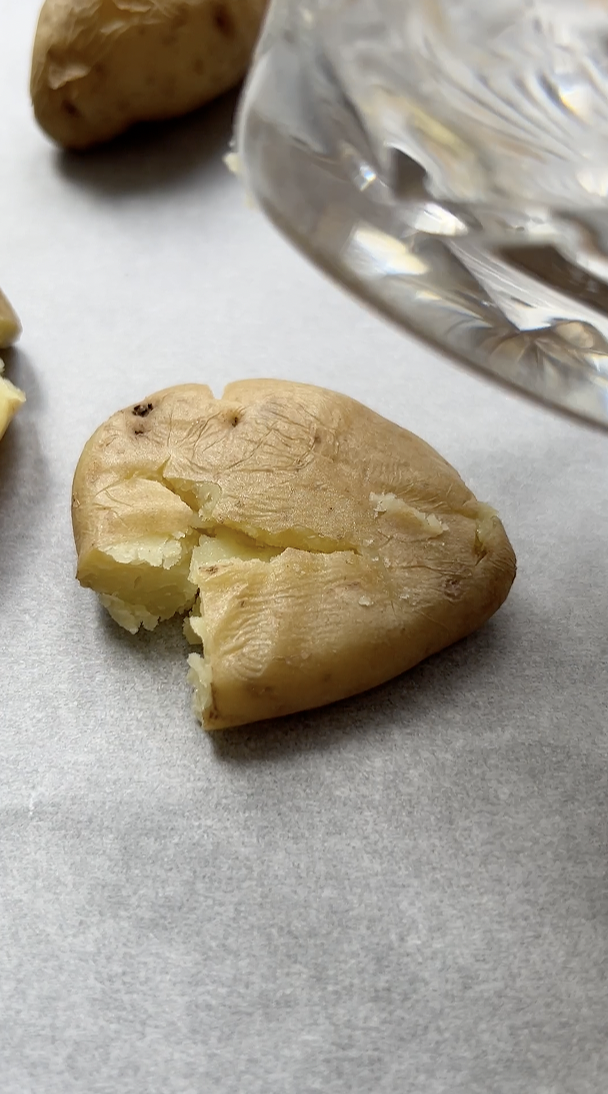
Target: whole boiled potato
column 101, row 65
column 320, row 548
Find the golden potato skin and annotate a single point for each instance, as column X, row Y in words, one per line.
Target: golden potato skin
column 99, row 66
column 387, row 556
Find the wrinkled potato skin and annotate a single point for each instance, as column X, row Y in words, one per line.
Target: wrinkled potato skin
column 99, row 66
column 357, row 596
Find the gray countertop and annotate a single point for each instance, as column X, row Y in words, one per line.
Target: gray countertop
column 406, row 893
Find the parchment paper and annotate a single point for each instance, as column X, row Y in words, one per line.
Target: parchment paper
column 404, row 894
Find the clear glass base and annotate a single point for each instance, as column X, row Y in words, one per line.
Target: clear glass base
column 456, row 181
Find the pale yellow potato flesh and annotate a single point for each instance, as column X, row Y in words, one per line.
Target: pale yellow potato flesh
column 321, row 549
column 10, row 327
column 11, row 399
column 99, row 66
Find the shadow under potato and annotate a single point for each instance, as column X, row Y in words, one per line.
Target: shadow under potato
column 19, row 369
column 153, row 155
column 395, row 707
column 164, row 645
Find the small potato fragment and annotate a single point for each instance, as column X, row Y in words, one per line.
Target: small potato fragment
column 99, row 66
column 10, row 327
column 321, row 549
column 11, row 398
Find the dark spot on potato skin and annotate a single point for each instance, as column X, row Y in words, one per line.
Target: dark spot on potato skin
column 211, row 569
column 70, row 108
column 234, row 420
column 138, row 432
column 142, row 410
column 453, row 588
column 223, row 21
column 241, row 603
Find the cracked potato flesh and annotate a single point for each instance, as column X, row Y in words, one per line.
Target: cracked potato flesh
column 319, row 548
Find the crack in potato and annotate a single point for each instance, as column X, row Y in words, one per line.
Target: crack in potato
column 315, row 548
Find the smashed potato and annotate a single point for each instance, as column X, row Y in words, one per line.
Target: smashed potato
column 10, row 327
column 10, row 401
column 11, row 398
column 319, row 548
column 99, row 66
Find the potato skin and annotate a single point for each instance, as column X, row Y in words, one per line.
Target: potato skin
column 99, row 66
column 363, row 590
